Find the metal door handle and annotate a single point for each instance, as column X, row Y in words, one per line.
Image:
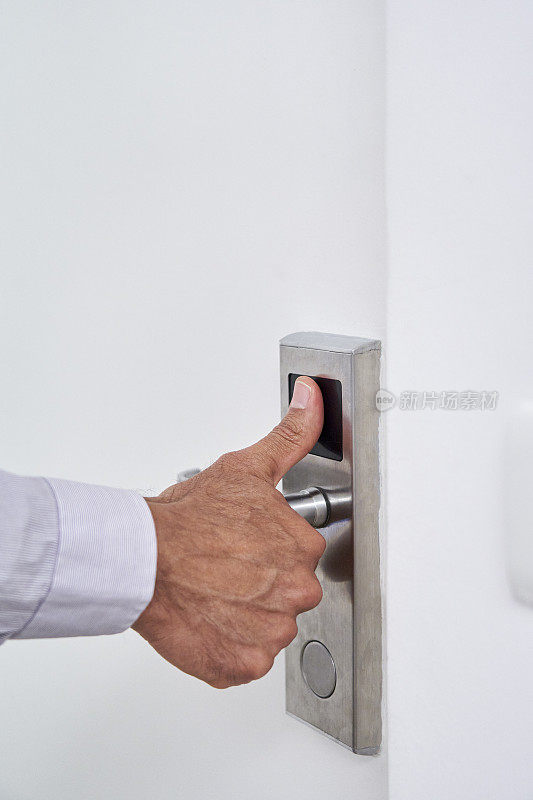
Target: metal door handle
column 319, row 507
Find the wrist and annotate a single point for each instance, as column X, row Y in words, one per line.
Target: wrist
column 145, row 615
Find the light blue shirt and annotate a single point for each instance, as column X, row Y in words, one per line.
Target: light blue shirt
column 75, row 559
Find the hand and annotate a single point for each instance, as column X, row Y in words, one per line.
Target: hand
column 236, row 564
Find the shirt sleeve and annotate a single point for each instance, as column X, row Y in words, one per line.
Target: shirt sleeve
column 75, row 559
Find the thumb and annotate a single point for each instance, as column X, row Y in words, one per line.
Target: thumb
column 295, row 435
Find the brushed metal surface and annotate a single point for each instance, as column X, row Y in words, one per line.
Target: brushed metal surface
column 311, row 504
column 348, row 620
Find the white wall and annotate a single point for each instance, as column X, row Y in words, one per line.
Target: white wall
column 182, row 183
column 460, row 128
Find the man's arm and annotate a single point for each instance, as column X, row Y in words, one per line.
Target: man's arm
column 235, row 563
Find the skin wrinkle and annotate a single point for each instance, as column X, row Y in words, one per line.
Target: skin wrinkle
column 221, row 626
column 207, row 591
column 270, row 607
column 273, row 532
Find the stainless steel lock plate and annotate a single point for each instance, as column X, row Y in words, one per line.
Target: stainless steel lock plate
column 333, row 667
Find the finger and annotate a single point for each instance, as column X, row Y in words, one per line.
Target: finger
column 295, row 435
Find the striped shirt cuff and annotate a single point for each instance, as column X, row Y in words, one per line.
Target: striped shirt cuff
column 105, row 567
column 28, row 548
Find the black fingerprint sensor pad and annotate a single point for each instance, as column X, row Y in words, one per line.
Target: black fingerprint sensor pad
column 329, row 444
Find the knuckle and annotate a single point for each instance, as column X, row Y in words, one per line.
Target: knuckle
column 231, row 463
column 316, row 544
column 238, row 669
column 220, row 676
column 286, row 632
column 229, row 460
column 220, row 683
column 311, row 593
column 256, row 666
column 316, row 593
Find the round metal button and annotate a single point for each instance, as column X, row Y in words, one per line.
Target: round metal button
column 318, row 669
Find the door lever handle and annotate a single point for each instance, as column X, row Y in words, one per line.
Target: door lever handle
column 319, row 507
